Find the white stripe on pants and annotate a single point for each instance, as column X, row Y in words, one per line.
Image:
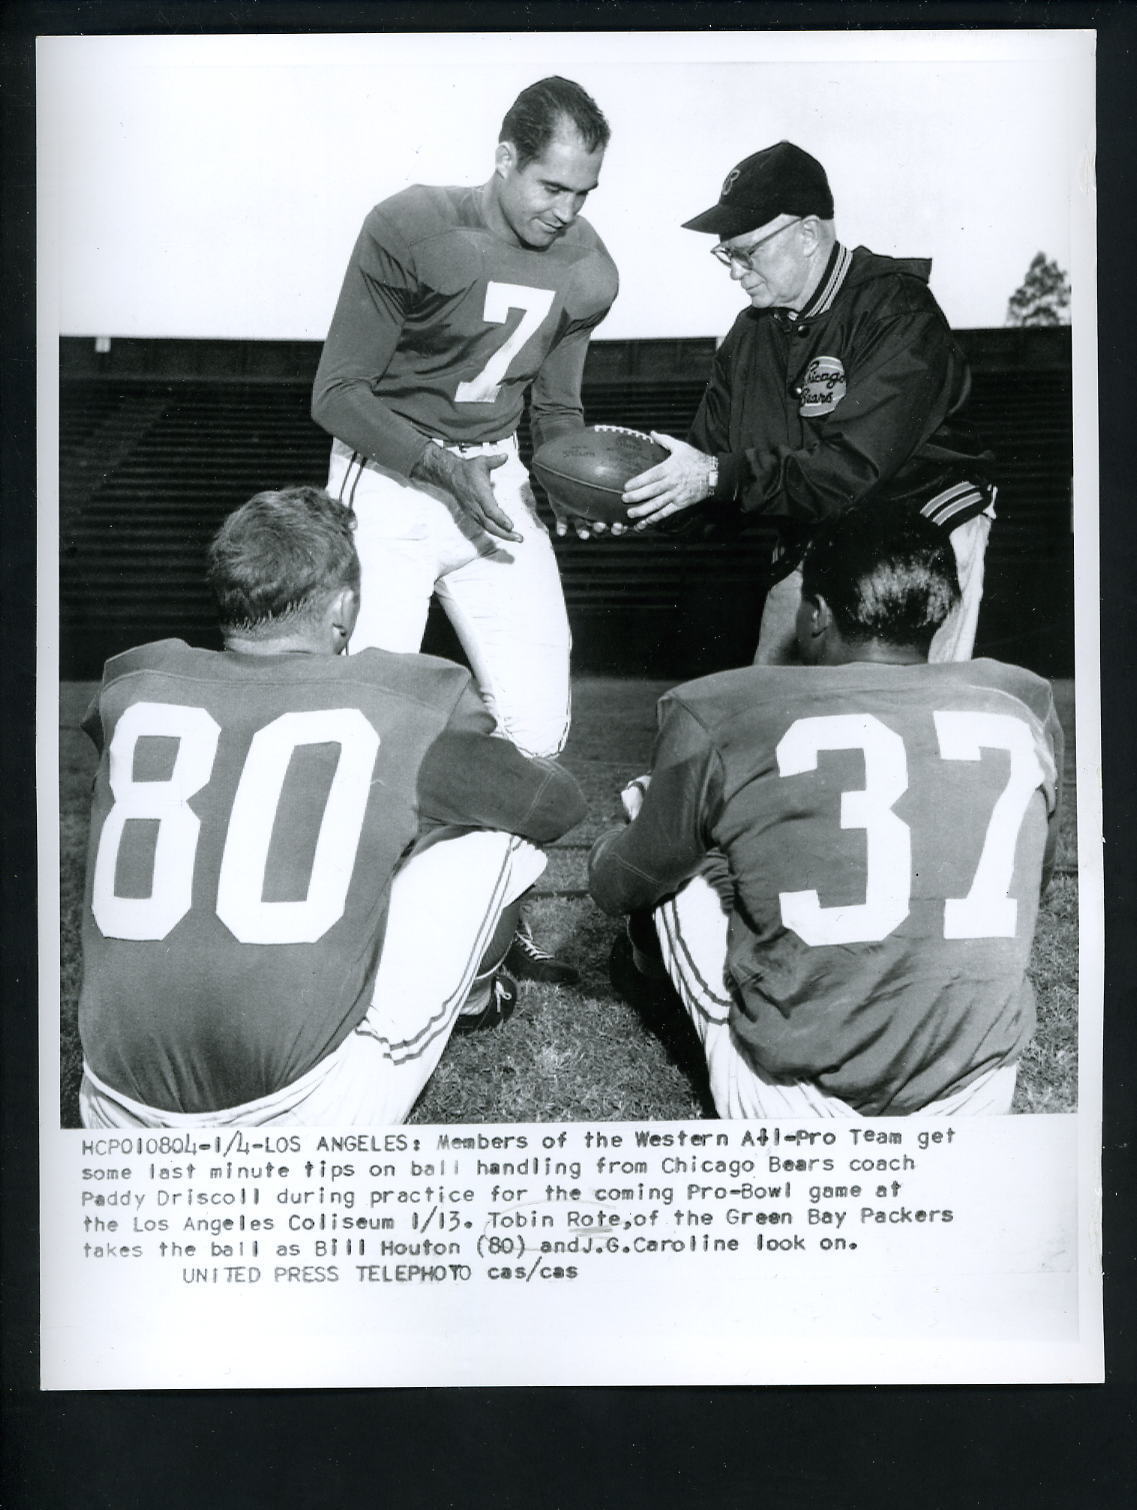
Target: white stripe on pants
column 953, row 641
column 504, row 599
column 692, row 930
column 445, row 904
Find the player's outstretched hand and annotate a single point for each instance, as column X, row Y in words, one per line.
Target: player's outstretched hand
column 467, row 480
column 470, row 483
column 675, row 484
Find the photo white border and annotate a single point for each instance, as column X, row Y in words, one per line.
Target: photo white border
column 713, row 1362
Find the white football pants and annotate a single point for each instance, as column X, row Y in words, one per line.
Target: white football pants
column 445, row 905
column 953, row 641
column 692, row 930
column 503, row 599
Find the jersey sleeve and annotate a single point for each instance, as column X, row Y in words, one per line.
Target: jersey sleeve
column 470, row 778
column 555, row 406
column 710, row 429
column 377, row 291
column 480, row 781
column 1053, row 742
column 92, row 723
column 151, row 657
column 470, row 714
column 1036, row 695
column 633, row 868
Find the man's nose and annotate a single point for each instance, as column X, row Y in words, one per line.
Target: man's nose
column 566, row 208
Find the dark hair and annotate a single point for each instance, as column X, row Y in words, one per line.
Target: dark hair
column 540, row 113
column 280, row 557
column 886, row 572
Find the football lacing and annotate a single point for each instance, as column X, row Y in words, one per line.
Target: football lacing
column 622, row 430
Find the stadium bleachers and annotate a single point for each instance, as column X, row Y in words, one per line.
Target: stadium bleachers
column 159, row 443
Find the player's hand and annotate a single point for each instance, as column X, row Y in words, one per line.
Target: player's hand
column 469, row 481
column 632, row 797
column 677, row 483
column 584, row 529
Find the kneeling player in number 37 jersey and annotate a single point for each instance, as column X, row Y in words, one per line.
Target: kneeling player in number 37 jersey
column 298, row 860
column 838, row 866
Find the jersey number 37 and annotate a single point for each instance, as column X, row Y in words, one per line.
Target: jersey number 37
column 987, row 911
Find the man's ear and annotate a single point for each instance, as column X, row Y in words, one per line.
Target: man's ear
column 343, row 610
column 505, row 159
column 811, row 232
column 811, row 629
column 818, row 616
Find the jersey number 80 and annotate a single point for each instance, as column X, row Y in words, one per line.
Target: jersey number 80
column 240, row 885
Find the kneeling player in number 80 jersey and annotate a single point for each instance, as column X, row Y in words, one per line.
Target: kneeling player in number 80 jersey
column 297, row 859
column 844, row 859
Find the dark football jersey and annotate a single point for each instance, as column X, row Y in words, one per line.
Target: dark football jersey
column 883, row 833
column 248, row 815
column 442, row 325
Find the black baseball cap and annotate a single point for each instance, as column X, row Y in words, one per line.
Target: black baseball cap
column 779, row 180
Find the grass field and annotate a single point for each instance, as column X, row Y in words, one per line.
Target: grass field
column 579, row 1053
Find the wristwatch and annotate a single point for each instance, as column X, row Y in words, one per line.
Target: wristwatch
column 712, row 482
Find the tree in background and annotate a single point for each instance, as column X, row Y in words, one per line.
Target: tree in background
column 1043, row 298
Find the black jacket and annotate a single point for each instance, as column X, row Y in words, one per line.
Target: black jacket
column 859, row 395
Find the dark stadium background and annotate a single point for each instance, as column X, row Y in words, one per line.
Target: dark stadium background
column 159, row 439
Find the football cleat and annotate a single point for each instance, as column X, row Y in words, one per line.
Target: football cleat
column 649, row 990
column 646, row 953
column 489, row 1004
column 527, row 959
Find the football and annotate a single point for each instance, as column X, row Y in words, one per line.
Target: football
column 584, row 473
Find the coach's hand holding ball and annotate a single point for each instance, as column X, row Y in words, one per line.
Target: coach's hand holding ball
column 685, row 478
column 585, row 472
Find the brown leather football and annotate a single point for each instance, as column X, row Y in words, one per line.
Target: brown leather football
column 585, row 472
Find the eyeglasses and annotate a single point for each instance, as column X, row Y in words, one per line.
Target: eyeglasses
column 743, row 257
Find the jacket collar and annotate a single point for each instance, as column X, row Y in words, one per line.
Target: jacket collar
column 832, row 279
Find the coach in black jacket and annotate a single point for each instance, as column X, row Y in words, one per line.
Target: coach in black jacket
column 840, row 383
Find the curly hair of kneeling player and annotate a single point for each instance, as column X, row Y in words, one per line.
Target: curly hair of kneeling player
column 885, row 571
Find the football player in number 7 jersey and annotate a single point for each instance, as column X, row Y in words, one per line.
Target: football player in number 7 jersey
column 843, row 861
column 297, row 859
column 456, row 302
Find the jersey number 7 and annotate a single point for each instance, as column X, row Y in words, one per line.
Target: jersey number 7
column 987, row 911
column 501, row 300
